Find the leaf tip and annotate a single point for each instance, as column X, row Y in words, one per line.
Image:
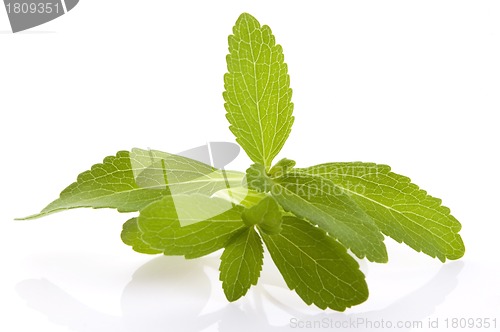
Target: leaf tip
column 246, row 16
column 31, row 217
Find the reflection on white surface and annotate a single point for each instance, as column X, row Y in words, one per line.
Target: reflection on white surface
column 171, row 294
column 414, row 307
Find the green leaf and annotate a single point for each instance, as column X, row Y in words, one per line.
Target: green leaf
column 282, row 167
column 323, row 203
column 316, row 266
column 107, row 185
column 266, row 214
column 130, row 181
column 258, row 94
column 400, row 209
column 162, row 228
column 132, row 236
column 158, row 170
column 241, row 263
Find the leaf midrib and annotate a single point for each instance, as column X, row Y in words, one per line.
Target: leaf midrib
column 321, row 212
column 395, row 211
column 249, row 231
column 257, row 99
column 316, row 264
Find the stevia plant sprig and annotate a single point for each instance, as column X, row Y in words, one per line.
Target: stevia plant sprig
column 307, row 218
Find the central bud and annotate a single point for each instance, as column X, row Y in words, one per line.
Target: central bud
column 257, row 178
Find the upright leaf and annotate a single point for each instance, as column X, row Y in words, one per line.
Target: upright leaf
column 400, row 209
column 323, row 203
column 161, row 228
column 241, row 263
column 316, row 266
column 258, row 94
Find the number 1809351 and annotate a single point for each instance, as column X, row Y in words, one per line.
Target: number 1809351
column 33, row 8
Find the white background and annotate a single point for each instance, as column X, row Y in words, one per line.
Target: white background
column 414, row 84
